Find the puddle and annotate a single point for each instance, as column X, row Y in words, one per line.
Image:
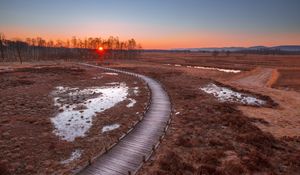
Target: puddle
column 75, row 155
column 78, row 107
column 218, row 69
column 225, row 94
column 110, row 73
column 209, row 68
column 131, row 103
column 136, row 90
column 110, row 127
column 97, row 78
column 113, row 83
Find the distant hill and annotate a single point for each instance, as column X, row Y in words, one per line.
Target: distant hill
column 286, row 48
column 291, row 48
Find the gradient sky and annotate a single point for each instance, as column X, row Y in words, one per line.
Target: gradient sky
column 157, row 23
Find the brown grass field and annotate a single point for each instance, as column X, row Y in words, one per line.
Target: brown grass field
column 209, row 137
column 206, row 136
column 28, row 145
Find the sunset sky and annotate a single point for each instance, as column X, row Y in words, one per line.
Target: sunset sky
column 160, row 24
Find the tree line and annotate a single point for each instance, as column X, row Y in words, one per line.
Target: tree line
column 38, row 49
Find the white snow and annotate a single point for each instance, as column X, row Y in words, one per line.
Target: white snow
column 224, row 94
column 113, row 83
column 131, row 103
column 97, row 77
column 110, row 73
column 177, row 113
column 75, row 119
column 209, row 68
column 110, row 127
column 218, row 69
column 75, row 155
column 136, row 90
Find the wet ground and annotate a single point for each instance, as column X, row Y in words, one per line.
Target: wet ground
column 211, row 133
column 54, row 118
column 223, row 122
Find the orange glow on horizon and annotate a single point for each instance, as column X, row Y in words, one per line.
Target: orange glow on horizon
column 196, row 39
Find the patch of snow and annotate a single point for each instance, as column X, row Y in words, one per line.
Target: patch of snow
column 218, row 69
column 136, row 90
column 110, row 127
column 97, row 77
column 110, row 73
column 177, row 65
column 6, row 69
column 113, row 83
column 177, row 113
column 132, row 103
column 75, row 155
column 224, row 94
column 75, row 119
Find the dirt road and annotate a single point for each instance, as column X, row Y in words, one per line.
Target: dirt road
column 283, row 121
column 259, row 77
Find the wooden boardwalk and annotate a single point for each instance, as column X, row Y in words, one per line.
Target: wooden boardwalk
column 129, row 154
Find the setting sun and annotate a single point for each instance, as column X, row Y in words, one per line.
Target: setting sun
column 100, row 49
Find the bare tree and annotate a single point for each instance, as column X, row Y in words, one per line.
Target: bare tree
column 227, row 53
column 215, row 53
column 19, row 45
column 2, row 43
column 75, row 48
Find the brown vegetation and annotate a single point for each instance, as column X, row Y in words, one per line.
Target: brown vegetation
column 209, row 137
column 27, row 142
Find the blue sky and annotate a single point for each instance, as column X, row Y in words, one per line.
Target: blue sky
column 157, row 23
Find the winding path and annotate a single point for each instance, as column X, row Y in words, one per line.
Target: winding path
column 129, row 154
column 259, row 77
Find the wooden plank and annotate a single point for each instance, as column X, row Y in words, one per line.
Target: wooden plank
column 128, row 154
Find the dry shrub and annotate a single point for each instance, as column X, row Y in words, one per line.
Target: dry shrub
column 231, row 168
column 255, row 161
column 8, row 83
column 262, row 141
column 173, row 164
column 211, row 157
column 3, row 169
column 207, row 170
column 56, row 70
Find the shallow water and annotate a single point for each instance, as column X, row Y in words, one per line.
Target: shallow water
column 218, row 69
column 225, row 94
column 97, row 77
column 75, row 155
column 75, row 116
column 209, row 68
column 110, row 73
column 136, row 90
column 110, row 127
column 131, row 103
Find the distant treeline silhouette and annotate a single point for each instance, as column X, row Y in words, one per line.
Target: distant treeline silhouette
column 38, row 49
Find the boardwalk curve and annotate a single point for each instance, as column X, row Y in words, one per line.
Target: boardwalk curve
column 129, row 154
